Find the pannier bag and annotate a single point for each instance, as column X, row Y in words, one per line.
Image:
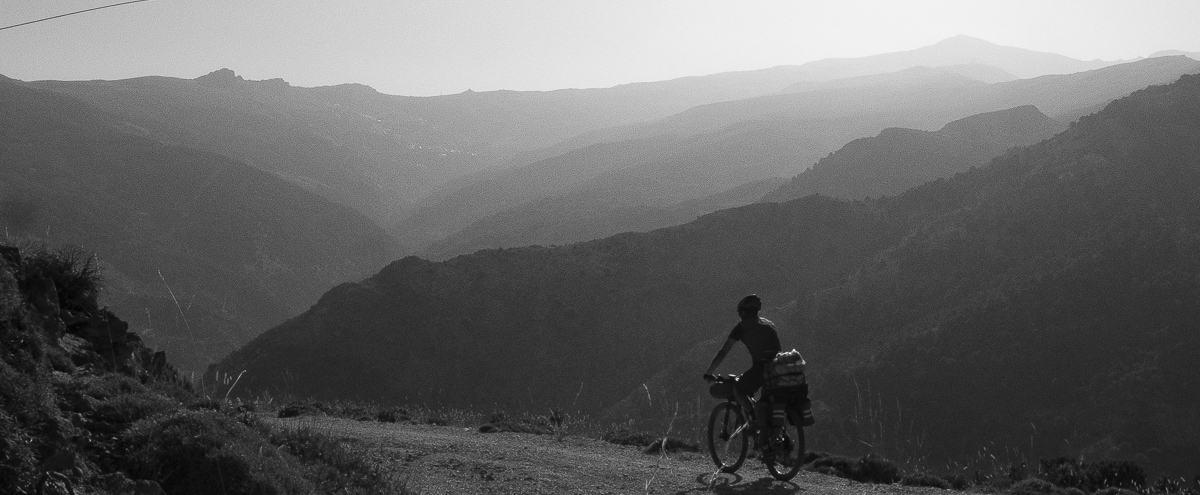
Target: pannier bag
column 785, row 372
column 773, row 413
column 806, row 412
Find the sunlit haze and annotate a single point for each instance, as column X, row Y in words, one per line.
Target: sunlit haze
column 427, row 47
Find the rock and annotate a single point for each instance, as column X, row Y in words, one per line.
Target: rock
column 60, row 462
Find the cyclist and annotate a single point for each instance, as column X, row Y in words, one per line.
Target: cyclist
column 761, row 340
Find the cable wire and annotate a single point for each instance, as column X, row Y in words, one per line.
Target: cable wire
column 72, row 13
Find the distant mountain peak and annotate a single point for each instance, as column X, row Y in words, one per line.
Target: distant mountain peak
column 220, row 77
column 964, row 40
column 1173, row 53
column 227, row 78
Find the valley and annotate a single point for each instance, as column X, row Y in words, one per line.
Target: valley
column 974, row 246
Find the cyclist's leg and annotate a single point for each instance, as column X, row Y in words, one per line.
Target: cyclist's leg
column 749, row 383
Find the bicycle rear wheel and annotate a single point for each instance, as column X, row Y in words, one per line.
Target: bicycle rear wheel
column 785, row 454
column 728, row 437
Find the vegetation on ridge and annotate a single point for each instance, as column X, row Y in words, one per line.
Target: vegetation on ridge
column 85, row 407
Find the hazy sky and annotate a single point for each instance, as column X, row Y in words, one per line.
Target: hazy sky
column 426, row 47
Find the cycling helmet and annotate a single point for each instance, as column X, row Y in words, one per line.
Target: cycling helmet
column 750, row 303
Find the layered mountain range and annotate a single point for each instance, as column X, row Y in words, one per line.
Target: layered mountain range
column 201, row 251
column 1047, row 288
column 716, row 147
column 250, row 198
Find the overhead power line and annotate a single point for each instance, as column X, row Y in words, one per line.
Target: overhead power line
column 71, row 13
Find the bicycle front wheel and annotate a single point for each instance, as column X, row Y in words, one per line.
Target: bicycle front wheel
column 728, row 437
column 786, row 448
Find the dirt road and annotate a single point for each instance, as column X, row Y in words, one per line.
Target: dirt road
column 456, row 460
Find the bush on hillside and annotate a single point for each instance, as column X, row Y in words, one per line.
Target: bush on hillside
column 75, row 272
column 1114, row 491
column 1033, row 486
column 326, row 461
column 97, row 430
column 217, row 450
column 870, row 468
column 653, row 444
column 1070, row 472
column 925, row 479
column 1168, row 485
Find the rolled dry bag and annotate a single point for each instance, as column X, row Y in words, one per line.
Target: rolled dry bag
column 785, row 372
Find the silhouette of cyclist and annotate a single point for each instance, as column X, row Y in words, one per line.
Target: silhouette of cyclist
column 761, row 340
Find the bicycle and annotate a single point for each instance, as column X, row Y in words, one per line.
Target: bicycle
column 729, row 430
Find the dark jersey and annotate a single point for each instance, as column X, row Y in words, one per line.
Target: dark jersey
column 760, row 338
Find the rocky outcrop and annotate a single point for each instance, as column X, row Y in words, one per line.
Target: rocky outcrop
column 90, row 335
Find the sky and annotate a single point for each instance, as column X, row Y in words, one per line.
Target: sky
column 431, row 47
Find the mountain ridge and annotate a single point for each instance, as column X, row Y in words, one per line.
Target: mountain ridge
column 788, row 132
column 898, row 159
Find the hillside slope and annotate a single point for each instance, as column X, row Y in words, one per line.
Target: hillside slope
column 1048, row 289
column 202, row 252
column 898, row 159
column 530, row 325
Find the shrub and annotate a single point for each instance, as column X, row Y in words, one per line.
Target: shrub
column 1167, row 485
column 290, row 411
column 327, row 461
column 1065, row 472
column 1120, row 474
column 131, row 407
column 75, row 272
column 1033, row 486
column 1114, row 491
column 193, row 452
column 958, row 481
column 925, row 479
column 834, row 465
column 870, row 468
column 628, row 437
column 671, row 445
column 876, row 469
column 1090, row 476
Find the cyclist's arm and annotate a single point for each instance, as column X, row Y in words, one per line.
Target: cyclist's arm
column 720, row 356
